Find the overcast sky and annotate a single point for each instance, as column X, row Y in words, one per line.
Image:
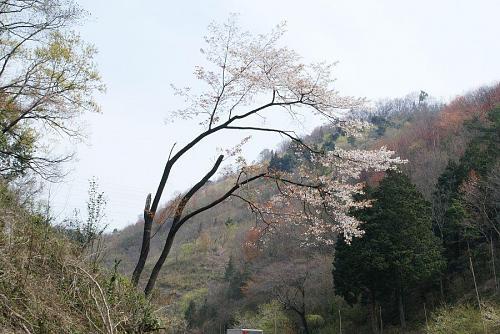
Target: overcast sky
column 385, row 48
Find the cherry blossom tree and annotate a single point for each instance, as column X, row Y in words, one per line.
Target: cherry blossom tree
column 250, row 76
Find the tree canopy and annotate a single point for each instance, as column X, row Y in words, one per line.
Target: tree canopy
column 48, row 78
column 398, row 250
column 247, row 76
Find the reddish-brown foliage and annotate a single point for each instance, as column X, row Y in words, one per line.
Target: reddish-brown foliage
column 474, row 104
column 250, row 249
column 428, row 130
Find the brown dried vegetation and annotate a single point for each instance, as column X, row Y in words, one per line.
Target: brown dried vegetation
column 46, row 285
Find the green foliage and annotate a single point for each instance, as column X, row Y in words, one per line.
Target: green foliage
column 188, row 249
column 190, row 313
column 48, row 79
column 193, row 306
column 196, row 296
column 270, row 316
column 484, row 149
column 397, row 252
column 328, row 140
column 285, row 163
column 381, row 123
column 15, row 151
column 315, row 320
column 87, row 232
column 237, row 279
column 480, row 157
column 230, row 270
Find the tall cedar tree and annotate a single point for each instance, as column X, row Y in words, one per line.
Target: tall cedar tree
column 397, row 253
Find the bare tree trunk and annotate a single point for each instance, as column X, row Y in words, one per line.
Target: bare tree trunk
column 381, row 320
column 275, row 325
column 474, row 279
column 146, row 238
column 150, row 211
column 373, row 314
column 401, row 310
column 340, row 322
column 156, row 270
column 475, row 287
column 303, row 319
column 441, row 287
column 425, row 315
column 493, row 264
column 177, row 222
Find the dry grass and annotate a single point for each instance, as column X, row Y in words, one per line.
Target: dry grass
column 47, row 287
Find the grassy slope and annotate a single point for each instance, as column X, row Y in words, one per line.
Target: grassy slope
column 47, row 287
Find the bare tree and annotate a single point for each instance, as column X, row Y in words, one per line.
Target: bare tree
column 47, row 80
column 300, row 286
column 481, row 198
column 248, row 76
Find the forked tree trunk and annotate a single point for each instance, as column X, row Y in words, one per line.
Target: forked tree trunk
column 178, row 221
column 156, row 269
column 146, row 238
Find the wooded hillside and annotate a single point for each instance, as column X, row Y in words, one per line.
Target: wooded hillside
column 224, row 272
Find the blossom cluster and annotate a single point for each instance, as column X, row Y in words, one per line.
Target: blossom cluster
column 321, row 193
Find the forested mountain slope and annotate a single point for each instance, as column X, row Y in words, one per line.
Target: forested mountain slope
column 216, row 276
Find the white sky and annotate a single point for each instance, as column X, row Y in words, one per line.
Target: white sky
column 385, row 48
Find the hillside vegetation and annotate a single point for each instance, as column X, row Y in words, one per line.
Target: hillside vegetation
column 384, row 220
column 220, row 275
column 222, row 272
column 48, row 285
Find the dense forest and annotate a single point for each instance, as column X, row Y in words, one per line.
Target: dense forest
column 386, row 219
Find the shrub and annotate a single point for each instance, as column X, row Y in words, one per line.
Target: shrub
column 465, row 319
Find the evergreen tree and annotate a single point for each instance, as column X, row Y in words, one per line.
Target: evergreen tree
column 190, row 314
column 398, row 252
column 236, row 279
column 285, row 163
column 230, row 269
